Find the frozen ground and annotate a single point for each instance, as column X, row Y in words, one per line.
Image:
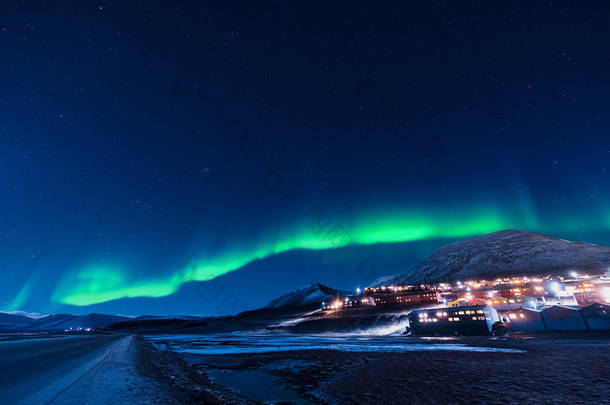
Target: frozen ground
column 249, row 343
column 355, row 369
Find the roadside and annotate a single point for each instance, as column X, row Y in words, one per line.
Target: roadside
column 114, row 379
column 35, row 370
column 174, row 375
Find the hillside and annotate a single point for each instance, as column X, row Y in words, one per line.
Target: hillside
column 60, row 322
column 504, row 252
column 10, row 322
column 311, row 295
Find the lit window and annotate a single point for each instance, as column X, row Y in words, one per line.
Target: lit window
column 479, row 311
column 522, row 316
column 461, row 313
column 512, row 316
column 474, row 318
column 434, row 320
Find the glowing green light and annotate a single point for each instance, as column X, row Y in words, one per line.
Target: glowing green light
column 96, row 284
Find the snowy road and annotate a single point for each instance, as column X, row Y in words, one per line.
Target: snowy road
column 75, row 370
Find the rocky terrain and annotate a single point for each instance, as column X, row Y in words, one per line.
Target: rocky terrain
column 309, row 296
column 501, row 253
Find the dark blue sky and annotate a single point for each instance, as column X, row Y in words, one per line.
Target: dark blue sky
column 146, row 146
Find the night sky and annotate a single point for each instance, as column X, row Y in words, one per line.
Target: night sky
column 146, row 148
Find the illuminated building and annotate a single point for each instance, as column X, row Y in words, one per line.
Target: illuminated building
column 469, row 295
column 354, row 301
column 586, row 294
column 523, row 319
column 335, row 304
column 495, row 301
column 466, row 321
column 456, row 303
column 398, row 296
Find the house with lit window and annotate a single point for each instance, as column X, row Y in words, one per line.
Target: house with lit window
column 596, row 316
column 497, row 301
column 523, row 319
column 456, row 303
column 395, row 296
column 465, row 321
column 586, row 294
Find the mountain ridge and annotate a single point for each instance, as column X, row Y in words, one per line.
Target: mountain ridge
column 310, row 295
column 500, row 253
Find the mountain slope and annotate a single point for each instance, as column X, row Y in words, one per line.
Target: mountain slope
column 311, row 295
column 59, row 322
column 503, row 252
column 10, row 322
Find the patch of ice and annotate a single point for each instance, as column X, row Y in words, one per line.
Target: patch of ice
column 266, row 343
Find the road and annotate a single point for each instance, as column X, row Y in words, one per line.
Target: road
column 75, row 370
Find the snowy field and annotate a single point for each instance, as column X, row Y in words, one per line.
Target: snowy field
column 252, row 343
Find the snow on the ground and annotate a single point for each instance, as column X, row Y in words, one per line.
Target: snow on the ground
column 110, row 379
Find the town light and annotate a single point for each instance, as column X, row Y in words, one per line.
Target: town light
column 574, row 274
column 358, row 290
column 606, row 294
column 532, row 303
column 555, row 287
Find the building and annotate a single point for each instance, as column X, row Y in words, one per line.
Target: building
column 596, row 316
column 456, row 303
column 467, row 321
column 513, row 294
column 355, row 301
column 586, row 294
column 560, row 318
column 404, row 297
column 472, row 294
column 495, row 301
column 523, row 319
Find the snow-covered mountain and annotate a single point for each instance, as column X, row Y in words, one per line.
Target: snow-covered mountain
column 155, row 317
column 311, row 295
column 498, row 253
column 10, row 322
column 60, row 322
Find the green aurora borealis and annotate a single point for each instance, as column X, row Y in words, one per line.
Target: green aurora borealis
column 101, row 283
column 146, row 149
